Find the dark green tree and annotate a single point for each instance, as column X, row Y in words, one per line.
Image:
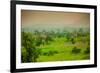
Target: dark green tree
column 29, row 51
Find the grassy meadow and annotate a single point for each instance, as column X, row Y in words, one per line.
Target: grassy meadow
column 55, row 45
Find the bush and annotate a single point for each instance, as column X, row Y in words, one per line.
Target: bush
column 87, row 51
column 72, row 40
column 45, row 53
column 50, row 53
column 76, row 50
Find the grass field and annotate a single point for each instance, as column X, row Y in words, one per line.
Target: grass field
column 40, row 47
column 62, row 51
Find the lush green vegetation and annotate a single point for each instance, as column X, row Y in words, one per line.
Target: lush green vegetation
column 43, row 46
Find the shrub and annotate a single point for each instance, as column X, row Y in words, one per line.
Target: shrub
column 72, row 40
column 87, row 51
column 50, row 53
column 45, row 53
column 76, row 50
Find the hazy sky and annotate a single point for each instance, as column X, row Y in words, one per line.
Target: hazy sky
column 51, row 19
